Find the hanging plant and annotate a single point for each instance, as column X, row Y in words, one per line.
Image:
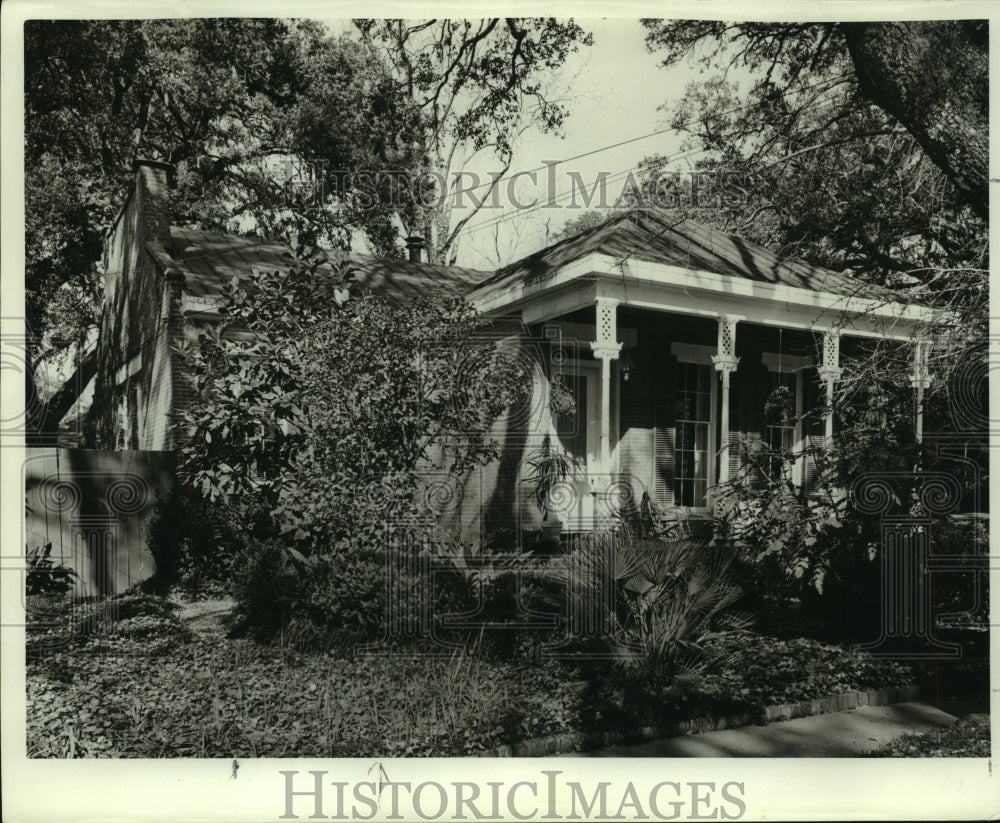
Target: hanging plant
column 780, row 405
column 561, row 399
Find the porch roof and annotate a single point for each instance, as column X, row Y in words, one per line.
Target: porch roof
column 644, row 258
column 655, row 237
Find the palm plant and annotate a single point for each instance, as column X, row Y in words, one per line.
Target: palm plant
column 663, row 599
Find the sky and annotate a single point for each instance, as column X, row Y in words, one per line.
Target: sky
column 616, row 86
column 612, row 91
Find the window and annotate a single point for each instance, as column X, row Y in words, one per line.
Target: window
column 780, row 414
column 693, row 420
column 782, row 411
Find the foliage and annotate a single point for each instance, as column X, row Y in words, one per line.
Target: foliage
column 961, row 600
column 479, row 84
column 549, row 466
column 231, row 699
column 223, row 697
column 45, row 576
column 220, row 99
column 969, row 737
column 670, row 597
column 132, row 623
column 829, row 178
column 678, row 600
column 561, row 400
column 195, row 544
column 859, row 62
column 816, row 550
column 322, row 601
column 777, row 527
column 763, row 671
column 319, row 417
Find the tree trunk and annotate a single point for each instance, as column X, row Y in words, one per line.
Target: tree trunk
column 62, row 401
column 934, row 78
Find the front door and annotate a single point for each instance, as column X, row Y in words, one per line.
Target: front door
column 578, row 436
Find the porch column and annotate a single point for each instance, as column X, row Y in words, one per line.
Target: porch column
column 829, row 373
column 606, row 348
column 725, row 361
column 920, row 380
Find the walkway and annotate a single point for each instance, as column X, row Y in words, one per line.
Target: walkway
column 838, row 734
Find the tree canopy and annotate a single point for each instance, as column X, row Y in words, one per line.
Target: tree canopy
column 242, row 107
column 478, row 84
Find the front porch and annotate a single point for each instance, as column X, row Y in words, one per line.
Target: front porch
column 679, row 376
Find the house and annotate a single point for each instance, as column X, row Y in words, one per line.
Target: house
column 670, row 337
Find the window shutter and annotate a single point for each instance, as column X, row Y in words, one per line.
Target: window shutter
column 664, row 433
column 663, row 450
column 813, row 430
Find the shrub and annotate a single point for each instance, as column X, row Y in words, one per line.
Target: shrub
column 669, row 598
column 326, row 416
column 45, row 576
column 195, row 544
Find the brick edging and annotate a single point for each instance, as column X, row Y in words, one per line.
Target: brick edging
column 571, row 741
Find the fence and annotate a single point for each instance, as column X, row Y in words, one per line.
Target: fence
column 93, row 508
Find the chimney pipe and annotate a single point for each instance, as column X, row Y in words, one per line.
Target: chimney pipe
column 415, row 246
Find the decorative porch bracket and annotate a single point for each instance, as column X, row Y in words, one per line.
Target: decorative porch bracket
column 606, row 348
column 920, row 380
column 829, row 374
column 725, row 361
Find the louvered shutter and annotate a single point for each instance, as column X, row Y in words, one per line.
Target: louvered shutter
column 664, row 432
column 663, row 450
column 757, row 383
column 813, row 429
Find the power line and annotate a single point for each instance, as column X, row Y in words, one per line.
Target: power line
column 652, row 134
column 485, row 224
column 471, row 229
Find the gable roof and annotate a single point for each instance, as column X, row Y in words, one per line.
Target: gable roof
column 656, row 237
column 209, row 261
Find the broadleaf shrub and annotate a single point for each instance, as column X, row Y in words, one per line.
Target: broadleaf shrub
column 318, row 412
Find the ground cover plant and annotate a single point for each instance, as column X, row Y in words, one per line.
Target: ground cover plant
column 127, row 678
column 969, row 737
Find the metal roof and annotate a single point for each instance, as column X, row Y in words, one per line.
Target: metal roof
column 209, row 261
column 656, row 237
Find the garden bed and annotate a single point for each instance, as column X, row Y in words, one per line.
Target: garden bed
column 969, row 737
column 141, row 684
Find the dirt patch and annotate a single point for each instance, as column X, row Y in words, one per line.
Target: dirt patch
column 207, row 617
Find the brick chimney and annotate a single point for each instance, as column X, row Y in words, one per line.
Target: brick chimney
column 145, row 213
column 151, row 196
column 415, row 246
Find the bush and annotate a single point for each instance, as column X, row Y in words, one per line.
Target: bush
column 196, row 545
column 45, row 576
column 325, row 410
column 667, row 599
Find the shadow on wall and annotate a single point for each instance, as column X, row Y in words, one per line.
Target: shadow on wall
column 92, row 507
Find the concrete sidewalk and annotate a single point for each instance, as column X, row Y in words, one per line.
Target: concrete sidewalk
column 838, row 734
